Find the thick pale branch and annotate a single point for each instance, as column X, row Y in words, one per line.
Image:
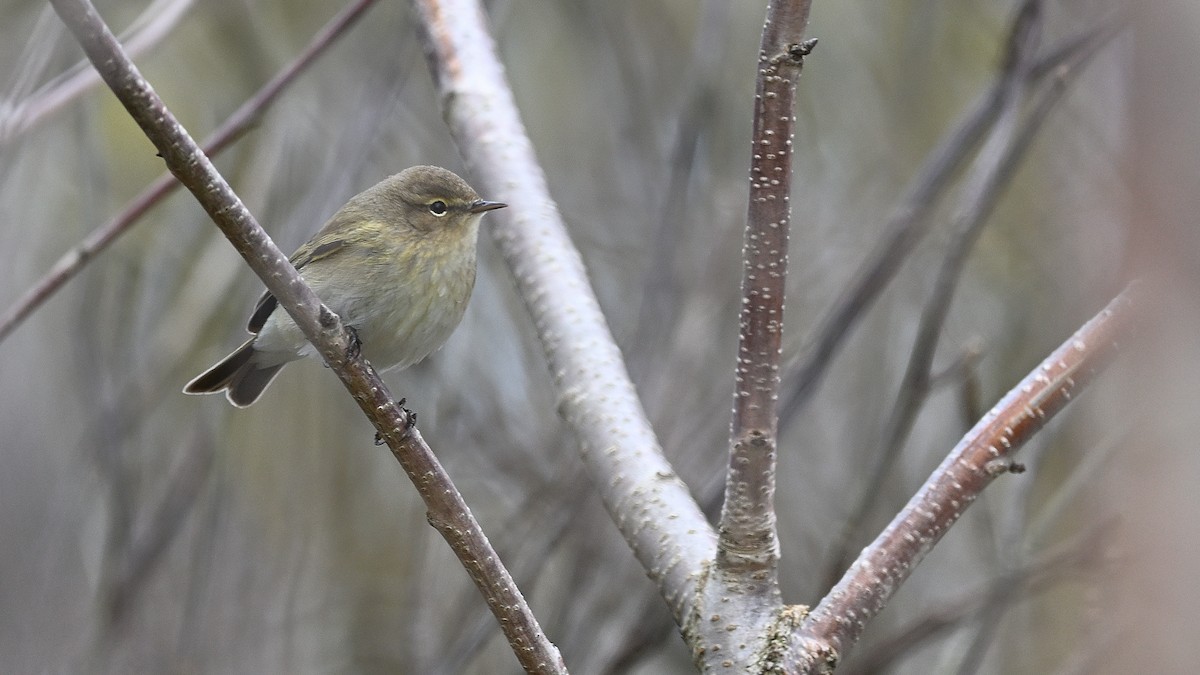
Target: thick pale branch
column 984, row 453
column 187, row 161
column 648, row 502
column 241, row 121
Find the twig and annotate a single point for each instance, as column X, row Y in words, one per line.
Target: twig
column 236, row 126
column 446, row 510
column 998, row 161
column 984, row 453
column 661, row 288
column 1000, row 158
column 150, row 28
column 909, row 223
column 146, row 548
column 1001, row 154
column 649, row 503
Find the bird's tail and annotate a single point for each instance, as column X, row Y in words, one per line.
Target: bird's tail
column 239, row 375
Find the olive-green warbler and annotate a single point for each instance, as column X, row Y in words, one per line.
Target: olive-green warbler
column 396, row 263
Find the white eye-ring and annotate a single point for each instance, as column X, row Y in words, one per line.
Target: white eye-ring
column 438, row 208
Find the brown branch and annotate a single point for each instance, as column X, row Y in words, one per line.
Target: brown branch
column 984, row 454
column 649, row 504
column 748, row 541
column 446, row 510
column 234, row 127
column 739, row 603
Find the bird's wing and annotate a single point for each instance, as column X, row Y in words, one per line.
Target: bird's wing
column 304, row 255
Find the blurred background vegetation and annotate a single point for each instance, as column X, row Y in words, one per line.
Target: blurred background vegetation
column 147, row 531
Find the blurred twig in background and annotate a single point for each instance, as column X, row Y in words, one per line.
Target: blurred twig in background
column 238, row 124
column 19, row 116
column 911, row 220
column 999, row 159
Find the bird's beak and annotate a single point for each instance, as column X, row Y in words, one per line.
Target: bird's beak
column 481, row 205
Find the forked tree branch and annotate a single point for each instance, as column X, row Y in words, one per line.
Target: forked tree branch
column 650, row 506
column 235, row 126
column 446, row 509
column 985, row 453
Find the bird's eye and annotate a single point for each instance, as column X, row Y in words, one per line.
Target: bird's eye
column 438, row 208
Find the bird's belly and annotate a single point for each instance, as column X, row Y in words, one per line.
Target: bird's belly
column 395, row 331
column 402, row 339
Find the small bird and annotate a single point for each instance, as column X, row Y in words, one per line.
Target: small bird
column 396, row 263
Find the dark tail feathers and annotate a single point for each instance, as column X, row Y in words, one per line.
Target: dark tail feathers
column 238, row 375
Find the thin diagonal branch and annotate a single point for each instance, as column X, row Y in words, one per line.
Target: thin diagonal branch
column 446, row 509
column 983, row 454
column 649, row 503
column 237, row 125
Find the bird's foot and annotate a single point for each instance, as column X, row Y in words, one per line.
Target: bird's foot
column 410, row 421
column 410, row 416
column 355, row 349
